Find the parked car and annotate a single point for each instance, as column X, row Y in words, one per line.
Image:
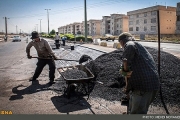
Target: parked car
column 16, row 38
column 108, row 37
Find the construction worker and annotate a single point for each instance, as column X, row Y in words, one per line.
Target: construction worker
column 45, row 54
column 143, row 82
column 57, row 39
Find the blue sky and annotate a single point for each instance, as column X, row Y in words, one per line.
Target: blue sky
column 25, row 14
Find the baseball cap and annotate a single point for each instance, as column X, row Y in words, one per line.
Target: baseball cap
column 124, row 35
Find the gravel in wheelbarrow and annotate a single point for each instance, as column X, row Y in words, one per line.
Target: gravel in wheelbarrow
column 79, row 80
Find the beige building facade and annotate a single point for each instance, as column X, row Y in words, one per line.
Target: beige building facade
column 114, row 24
column 178, row 19
column 145, row 21
column 93, row 27
column 72, row 28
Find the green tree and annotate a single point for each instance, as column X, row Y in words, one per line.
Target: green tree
column 52, row 32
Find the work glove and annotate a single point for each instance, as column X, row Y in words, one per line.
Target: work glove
column 125, row 73
column 29, row 56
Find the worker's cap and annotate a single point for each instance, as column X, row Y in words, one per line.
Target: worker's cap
column 34, row 35
column 124, row 36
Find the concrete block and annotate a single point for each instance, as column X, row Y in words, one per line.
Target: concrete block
column 103, row 44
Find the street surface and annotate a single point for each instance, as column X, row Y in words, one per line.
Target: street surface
column 22, row 97
column 167, row 47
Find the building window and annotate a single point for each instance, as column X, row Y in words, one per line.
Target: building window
column 145, row 21
column 153, row 12
column 112, row 28
column 153, row 20
column 153, row 28
column 178, row 18
column 137, row 15
column 130, row 22
column 131, row 16
column 117, row 25
column 117, row 31
column 131, row 29
column 145, row 14
column 145, row 28
column 137, row 28
column 137, row 22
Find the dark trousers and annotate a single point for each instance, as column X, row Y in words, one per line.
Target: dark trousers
column 57, row 44
column 63, row 42
column 40, row 65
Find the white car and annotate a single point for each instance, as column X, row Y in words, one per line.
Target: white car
column 16, row 38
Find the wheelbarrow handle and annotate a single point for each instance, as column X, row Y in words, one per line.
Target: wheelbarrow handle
column 56, row 59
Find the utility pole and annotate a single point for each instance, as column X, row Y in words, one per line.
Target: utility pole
column 48, row 18
column 20, row 31
column 5, row 28
column 16, row 30
column 85, row 19
column 40, row 25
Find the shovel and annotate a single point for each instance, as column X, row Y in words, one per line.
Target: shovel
column 83, row 58
column 56, row 59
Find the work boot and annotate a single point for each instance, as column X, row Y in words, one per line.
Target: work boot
column 51, row 82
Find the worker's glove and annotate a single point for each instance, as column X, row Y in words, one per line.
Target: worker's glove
column 125, row 91
column 29, row 56
column 125, row 73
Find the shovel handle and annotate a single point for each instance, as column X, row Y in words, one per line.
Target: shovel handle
column 125, row 64
column 56, row 59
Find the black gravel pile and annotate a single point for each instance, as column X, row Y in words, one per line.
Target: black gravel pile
column 170, row 80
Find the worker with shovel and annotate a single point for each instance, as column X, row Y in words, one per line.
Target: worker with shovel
column 142, row 81
column 45, row 54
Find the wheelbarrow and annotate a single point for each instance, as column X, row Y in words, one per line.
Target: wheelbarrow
column 84, row 84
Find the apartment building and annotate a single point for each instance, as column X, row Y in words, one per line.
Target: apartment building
column 72, row 28
column 145, row 21
column 114, row 24
column 77, row 27
column 178, row 19
column 62, row 29
column 93, row 27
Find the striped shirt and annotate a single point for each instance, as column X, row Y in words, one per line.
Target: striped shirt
column 42, row 47
column 144, row 76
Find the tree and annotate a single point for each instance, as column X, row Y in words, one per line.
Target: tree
column 52, row 32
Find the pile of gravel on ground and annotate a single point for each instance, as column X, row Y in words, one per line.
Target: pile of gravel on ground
column 106, row 70
column 169, row 78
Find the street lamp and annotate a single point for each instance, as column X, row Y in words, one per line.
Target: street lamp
column 48, row 18
column 40, row 24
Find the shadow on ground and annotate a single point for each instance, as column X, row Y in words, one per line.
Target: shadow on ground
column 33, row 88
column 65, row 105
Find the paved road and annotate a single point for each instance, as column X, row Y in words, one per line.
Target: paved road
column 167, row 47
